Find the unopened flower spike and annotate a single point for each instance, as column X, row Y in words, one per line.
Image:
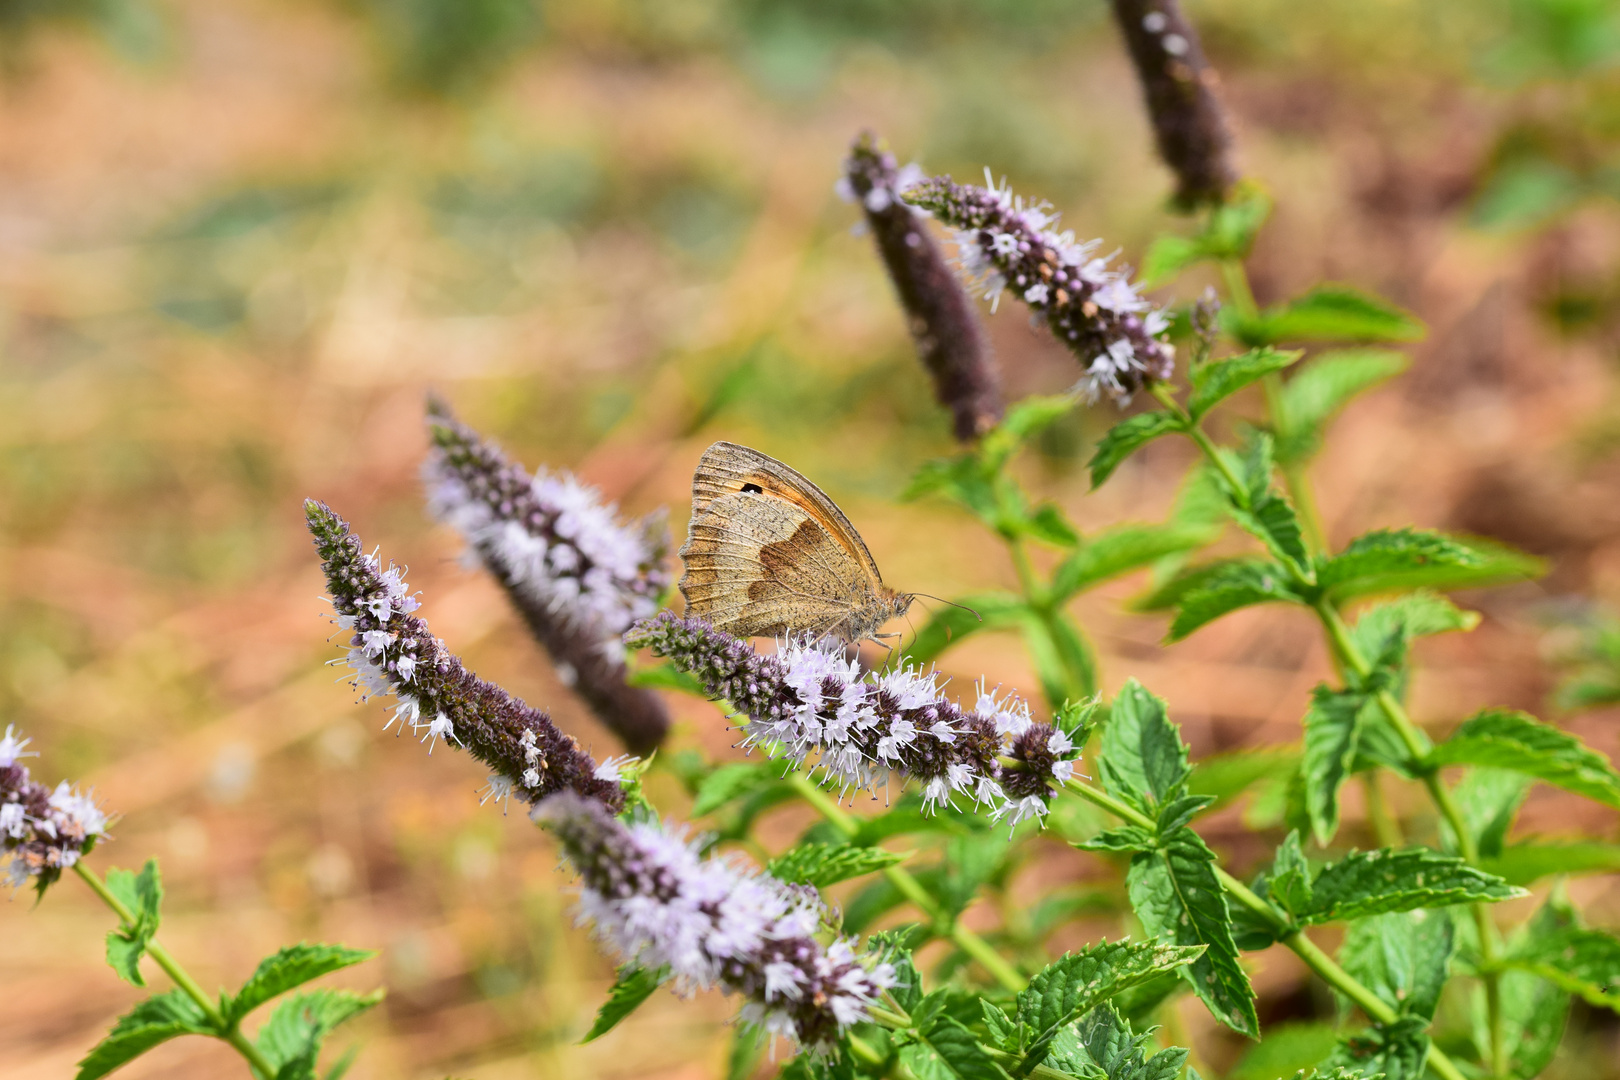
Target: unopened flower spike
column 657, row 904
column 808, row 698
column 944, row 327
column 577, row 574
column 392, row 652
column 1189, row 123
column 43, row 830
column 1004, row 243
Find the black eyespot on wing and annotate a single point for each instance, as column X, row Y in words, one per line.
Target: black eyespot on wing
column 752, row 489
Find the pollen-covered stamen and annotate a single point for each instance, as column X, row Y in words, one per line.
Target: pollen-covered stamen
column 656, row 903
column 1004, row 243
column 43, row 831
column 577, row 574
column 393, row 652
column 808, row 698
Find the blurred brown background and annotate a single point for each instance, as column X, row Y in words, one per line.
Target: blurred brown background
column 239, row 240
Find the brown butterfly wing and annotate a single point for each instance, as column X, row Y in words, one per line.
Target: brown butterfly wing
column 728, row 469
column 758, row 565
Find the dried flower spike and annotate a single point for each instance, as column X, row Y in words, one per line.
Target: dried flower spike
column 577, row 575
column 656, row 903
column 807, row 698
column 944, row 327
column 392, row 651
column 1003, row 243
column 42, row 831
column 1189, row 123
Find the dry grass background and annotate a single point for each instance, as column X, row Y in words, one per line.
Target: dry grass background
column 228, row 278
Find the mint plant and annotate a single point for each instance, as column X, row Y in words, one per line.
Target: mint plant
column 892, row 982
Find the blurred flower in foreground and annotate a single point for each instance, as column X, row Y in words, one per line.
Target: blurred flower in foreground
column 808, row 697
column 578, row 576
column 939, row 313
column 42, row 831
column 1002, row 243
column 392, row 651
column 1189, row 123
column 712, row 922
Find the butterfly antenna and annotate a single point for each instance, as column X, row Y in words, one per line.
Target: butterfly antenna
column 953, row 603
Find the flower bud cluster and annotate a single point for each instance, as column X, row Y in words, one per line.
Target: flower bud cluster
column 42, row 831
column 939, row 313
column 655, row 903
column 808, row 698
column 392, row 652
column 1003, row 243
column 577, row 575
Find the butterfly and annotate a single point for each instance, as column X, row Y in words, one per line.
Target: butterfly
column 768, row 553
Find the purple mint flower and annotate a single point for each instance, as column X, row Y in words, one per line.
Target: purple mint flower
column 944, row 327
column 392, row 652
column 1189, row 123
column 577, row 575
column 655, row 902
column 43, row 831
column 808, row 698
column 1003, row 243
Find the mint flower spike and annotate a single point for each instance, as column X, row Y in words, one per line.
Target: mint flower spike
column 1003, row 243
column 1189, row 123
column 807, row 698
column 713, row 922
column 577, row 574
column 392, row 652
column 944, row 327
column 42, row 831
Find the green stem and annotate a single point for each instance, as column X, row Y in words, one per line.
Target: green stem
column 179, row 976
column 913, row 890
column 1236, row 279
column 1384, row 824
column 1167, row 398
column 1080, row 683
column 1413, row 740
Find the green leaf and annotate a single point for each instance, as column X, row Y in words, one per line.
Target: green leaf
column 1025, row 418
column 1289, row 882
column 1288, row 1047
column 948, row 625
column 155, row 1020
column 1415, row 615
column 1488, row 799
column 1394, row 560
column 1143, row 759
column 1505, row 739
column 665, row 676
column 1583, row 962
column 142, row 894
column 291, row 1039
column 1324, row 386
column 1235, row 584
column 1527, row 863
column 1177, row 897
column 747, row 1050
column 1125, row 438
column 1048, row 524
column 821, row 865
column 1367, row 883
column 291, row 967
column 1404, row 958
column 1226, row 776
column 733, row 781
column 1122, row 839
column 1101, row 1046
column 1216, row 380
column 1120, row 550
column 1534, row 1010
column 949, row 1051
column 1397, row 1050
column 1326, row 313
column 1074, row 985
column 1333, row 727
column 632, row 986
column 1167, row 257
column 1272, row 521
